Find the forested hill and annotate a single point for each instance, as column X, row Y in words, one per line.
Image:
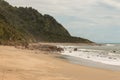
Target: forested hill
column 21, row 25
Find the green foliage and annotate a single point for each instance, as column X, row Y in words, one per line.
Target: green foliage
column 28, row 25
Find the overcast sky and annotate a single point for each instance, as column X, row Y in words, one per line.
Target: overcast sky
column 97, row 20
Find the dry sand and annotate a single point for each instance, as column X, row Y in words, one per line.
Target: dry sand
column 17, row 64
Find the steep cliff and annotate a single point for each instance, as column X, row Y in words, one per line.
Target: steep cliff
column 28, row 25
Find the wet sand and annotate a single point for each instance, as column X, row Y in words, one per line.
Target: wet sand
column 17, row 64
column 89, row 63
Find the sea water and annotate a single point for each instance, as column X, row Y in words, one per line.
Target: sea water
column 104, row 56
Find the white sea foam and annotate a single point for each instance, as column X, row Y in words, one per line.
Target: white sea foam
column 102, row 56
column 110, row 45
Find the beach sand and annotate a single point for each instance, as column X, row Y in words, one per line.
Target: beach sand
column 18, row 64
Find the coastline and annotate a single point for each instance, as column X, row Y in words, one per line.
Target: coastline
column 22, row 64
column 89, row 63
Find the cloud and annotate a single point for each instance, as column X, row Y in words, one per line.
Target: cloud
column 93, row 19
column 114, row 3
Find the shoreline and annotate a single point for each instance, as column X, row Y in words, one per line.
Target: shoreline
column 23, row 64
column 88, row 55
column 68, row 44
column 89, row 63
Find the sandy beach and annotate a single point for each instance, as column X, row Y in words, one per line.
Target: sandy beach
column 18, row 64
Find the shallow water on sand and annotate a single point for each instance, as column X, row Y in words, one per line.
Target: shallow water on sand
column 105, row 56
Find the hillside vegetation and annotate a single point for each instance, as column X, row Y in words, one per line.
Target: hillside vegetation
column 20, row 25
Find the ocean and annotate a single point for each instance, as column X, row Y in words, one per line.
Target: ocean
column 106, row 56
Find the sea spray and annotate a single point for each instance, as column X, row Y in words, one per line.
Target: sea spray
column 110, row 57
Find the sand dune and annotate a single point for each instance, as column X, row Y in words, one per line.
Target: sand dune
column 17, row 64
